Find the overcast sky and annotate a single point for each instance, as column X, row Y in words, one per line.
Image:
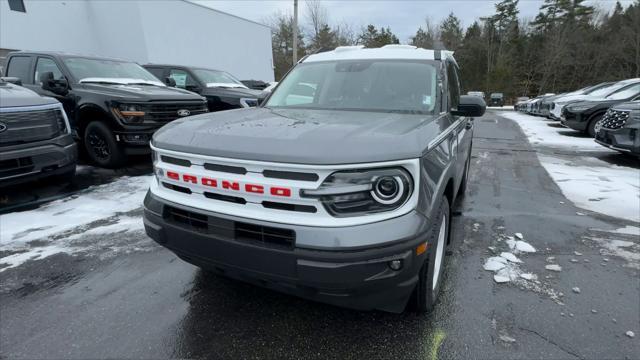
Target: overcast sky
column 403, row 17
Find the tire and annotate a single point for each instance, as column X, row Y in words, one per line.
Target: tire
column 430, row 277
column 101, row 146
column 465, row 177
column 591, row 128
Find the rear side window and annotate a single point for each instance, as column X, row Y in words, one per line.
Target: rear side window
column 46, row 65
column 157, row 72
column 19, row 67
column 183, row 79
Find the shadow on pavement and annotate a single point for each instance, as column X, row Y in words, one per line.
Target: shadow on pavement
column 235, row 320
column 33, row 194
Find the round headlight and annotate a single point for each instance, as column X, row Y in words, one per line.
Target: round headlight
column 388, row 189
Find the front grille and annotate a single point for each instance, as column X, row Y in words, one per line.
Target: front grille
column 614, row 119
column 30, row 126
column 165, row 112
column 17, row 166
column 266, row 236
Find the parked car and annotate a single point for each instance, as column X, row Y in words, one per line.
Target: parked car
column 339, row 189
column 599, row 93
column 114, row 106
column 221, row 89
column 619, row 129
column 35, row 137
column 584, row 115
column 520, row 103
column 479, row 94
column 497, row 99
column 548, row 103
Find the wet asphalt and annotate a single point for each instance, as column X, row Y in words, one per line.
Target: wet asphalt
column 150, row 304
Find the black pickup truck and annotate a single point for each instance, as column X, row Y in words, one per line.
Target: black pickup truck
column 221, row 89
column 338, row 188
column 35, row 138
column 114, row 106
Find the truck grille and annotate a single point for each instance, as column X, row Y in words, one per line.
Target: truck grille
column 165, row 112
column 615, row 119
column 13, row 167
column 231, row 230
column 29, row 126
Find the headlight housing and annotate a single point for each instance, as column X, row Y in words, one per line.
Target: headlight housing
column 579, row 107
column 361, row 192
column 129, row 113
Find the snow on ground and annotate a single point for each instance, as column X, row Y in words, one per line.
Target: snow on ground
column 588, row 182
column 99, row 212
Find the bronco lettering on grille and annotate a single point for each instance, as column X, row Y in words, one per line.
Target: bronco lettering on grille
column 230, row 185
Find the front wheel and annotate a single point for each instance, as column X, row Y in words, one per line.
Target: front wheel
column 591, row 128
column 430, row 278
column 102, row 147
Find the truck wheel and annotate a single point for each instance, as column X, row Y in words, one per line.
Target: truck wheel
column 591, row 128
column 102, row 147
column 430, row 278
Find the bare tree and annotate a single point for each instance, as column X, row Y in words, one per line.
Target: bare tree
column 317, row 16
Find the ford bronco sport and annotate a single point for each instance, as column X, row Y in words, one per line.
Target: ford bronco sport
column 114, row 106
column 337, row 188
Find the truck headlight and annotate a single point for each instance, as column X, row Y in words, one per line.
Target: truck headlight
column 579, row 107
column 129, row 113
column 361, row 192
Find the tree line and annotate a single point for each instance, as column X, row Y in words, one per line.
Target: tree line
column 568, row 45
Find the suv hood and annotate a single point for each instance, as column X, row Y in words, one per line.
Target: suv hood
column 319, row 137
column 140, row 92
column 231, row 92
column 631, row 105
column 13, row 96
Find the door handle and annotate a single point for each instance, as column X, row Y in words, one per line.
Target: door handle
column 469, row 125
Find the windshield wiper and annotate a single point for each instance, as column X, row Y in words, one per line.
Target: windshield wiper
column 100, row 82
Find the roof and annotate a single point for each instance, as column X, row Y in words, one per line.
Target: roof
column 62, row 54
column 394, row 51
column 225, row 13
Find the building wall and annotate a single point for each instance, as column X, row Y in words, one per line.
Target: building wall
column 157, row 31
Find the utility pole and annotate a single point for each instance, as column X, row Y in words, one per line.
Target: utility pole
column 295, row 31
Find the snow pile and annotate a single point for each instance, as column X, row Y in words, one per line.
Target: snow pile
column 588, row 182
column 506, row 266
column 98, row 220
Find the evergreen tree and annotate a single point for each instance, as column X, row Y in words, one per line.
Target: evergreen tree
column 451, row 32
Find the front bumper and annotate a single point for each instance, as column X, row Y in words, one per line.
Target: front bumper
column 625, row 140
column 27, row 162
column 575, row 121
column 358, row 278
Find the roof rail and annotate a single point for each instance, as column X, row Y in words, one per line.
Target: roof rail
column 437, row 54
column 399, row 46
column 349, row 48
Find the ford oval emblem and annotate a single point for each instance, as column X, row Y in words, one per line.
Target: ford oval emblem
column 3, row 127
column 184, row 112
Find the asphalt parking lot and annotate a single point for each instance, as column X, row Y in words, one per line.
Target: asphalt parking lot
column 102, row 289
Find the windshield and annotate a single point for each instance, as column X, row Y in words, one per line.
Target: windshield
column 608, row 90
column 625, row 93
column 367, row 85
column 215, row 78
column 82, row 68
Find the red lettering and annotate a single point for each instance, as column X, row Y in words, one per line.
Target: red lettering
column 173, row 175
column 209, row 182
column 278, row 191
column 190, row 178
column 257, row 189
column 232, row 185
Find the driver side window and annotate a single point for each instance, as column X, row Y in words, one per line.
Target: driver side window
column 182, row 78
column 46, row 65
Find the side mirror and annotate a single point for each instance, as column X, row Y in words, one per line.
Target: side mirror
column 470, row 106
column 13, row 80
column 169, row 81
column 193, row 88
column 60, row 86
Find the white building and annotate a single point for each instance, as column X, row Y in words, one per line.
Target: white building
column 145, row 31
